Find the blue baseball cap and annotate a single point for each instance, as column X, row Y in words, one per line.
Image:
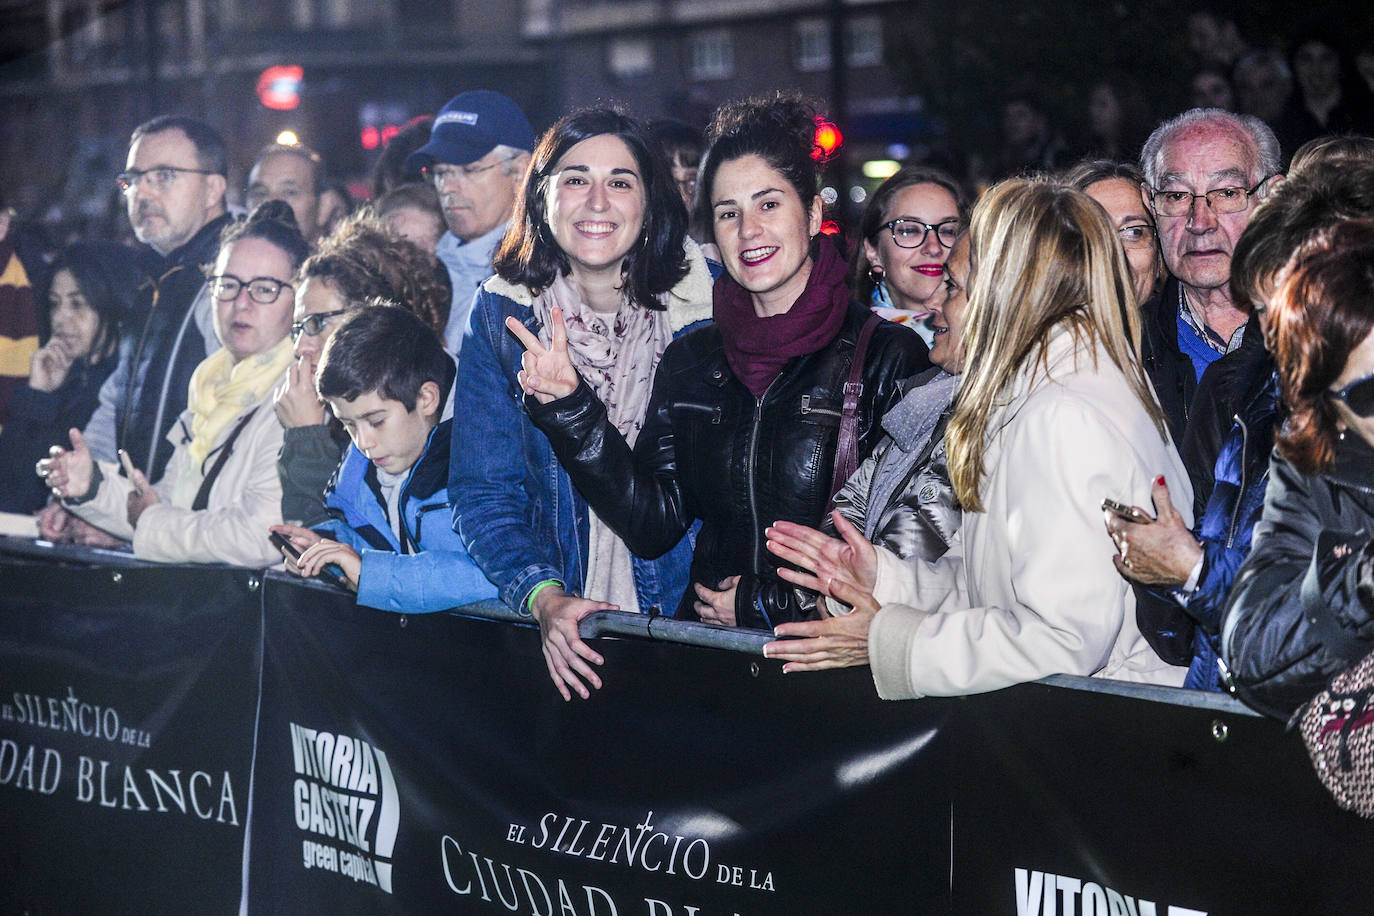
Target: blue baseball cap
column 470, row 126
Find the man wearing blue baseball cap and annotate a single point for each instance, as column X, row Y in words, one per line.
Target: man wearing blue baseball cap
column 476, row 156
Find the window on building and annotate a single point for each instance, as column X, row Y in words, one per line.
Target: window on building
column 863, row 41
column 711, row 55
column 811, row 45
column 627, row 58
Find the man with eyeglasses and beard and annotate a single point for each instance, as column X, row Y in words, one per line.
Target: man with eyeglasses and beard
column 476, row 158
column 173, row 188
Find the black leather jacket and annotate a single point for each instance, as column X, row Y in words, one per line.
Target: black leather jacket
column 710, row 450
column 1302, row 607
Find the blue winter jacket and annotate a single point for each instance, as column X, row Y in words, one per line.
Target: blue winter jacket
column 518, row 513
column 431, row 571
column 1233, row 487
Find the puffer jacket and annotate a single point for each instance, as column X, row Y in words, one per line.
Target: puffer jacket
column 1190, row 634
column 710, row 450
column 1302, row 607
column 901, row 497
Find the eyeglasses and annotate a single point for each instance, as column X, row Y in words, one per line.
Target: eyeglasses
column 161, row 177
column 312, row 325
column 443, row 173
column 912, row 233
column 1358, row 396
column 1221, row 200
column 262, row 290
column 1137, row 235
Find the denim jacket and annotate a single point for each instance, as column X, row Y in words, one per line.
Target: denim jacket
column 513, row 505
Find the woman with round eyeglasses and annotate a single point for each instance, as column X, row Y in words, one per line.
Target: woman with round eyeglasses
column 220, row 491
column 908, row 229
column 361, row 263
column 1302, row 605
column 1116, row 186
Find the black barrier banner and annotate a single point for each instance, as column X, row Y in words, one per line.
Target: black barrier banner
column 127, row 699
column 1093, row 804
column 426, row 764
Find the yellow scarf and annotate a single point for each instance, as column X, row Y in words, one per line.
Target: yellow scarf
column 222, row 389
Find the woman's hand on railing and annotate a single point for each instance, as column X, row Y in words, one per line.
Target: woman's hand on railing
column 834, row 642
column 716, row 606
column 546, row 373
column 569, row 658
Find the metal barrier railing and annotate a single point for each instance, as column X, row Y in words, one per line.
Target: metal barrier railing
column 642, row 626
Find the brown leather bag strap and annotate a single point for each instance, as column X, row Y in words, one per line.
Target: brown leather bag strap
column 847, row 449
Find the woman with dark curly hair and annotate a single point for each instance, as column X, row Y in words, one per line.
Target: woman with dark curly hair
column 361, row 263
column 1302, row 607
column 748, row 414
column 598, row 266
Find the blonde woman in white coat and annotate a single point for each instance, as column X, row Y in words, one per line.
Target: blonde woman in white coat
column 220, row 491
column 1054, row 415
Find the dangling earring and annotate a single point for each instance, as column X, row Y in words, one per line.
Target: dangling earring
column 1341, row 435
column 880, row 296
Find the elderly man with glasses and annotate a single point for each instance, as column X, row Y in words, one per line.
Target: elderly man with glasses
column 173, row 189
column 476, row 157
column 1205, row 171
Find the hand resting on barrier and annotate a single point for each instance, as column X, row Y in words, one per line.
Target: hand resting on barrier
column 317, row 552
column 843, row 569
column 566, row 655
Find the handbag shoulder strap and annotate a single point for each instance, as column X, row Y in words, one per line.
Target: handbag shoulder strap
column 847, row 448
column 202, row 500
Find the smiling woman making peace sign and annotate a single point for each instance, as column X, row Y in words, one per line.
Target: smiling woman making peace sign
column 596, row 266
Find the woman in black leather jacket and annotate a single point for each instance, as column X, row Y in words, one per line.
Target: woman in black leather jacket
column 1302, row 608
column 745, row 414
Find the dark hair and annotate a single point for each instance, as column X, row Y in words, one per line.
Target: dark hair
column 386, row 349
column 317, row 175
column 390, row 169
column 272, row 221
column 871, row 223
column 1322, row 312
column 210, row 150
column 679, row 140
column 364, row 260
column 109, row 279
column 780, row 129
column 528, row 255
column 1321, row 195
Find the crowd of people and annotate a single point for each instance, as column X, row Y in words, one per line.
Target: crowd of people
column 1115, row 420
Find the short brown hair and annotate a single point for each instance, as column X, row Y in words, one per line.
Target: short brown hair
column 1323, row 311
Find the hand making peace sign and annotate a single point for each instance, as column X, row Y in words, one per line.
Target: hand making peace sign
column 546, row 373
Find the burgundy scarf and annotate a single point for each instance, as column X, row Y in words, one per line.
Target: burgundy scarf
column 757, row 348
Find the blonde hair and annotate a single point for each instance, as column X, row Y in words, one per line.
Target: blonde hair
column 1042, row 255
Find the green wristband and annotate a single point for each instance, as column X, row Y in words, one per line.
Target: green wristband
column 534, row 593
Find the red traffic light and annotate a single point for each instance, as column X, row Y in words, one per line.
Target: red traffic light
column 827, row 142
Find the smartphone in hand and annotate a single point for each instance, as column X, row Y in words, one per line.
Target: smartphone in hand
column 331, row 572
column 1123, row 511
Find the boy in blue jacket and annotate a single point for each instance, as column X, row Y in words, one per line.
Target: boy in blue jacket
column 388, row 380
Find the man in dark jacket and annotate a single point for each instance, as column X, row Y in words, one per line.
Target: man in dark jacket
column 173, row 187
column 1183, row 578
column 1204, row 172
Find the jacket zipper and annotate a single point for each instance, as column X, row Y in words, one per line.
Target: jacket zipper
column 1244, row 450
column 753, row 466
column 806, row 408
